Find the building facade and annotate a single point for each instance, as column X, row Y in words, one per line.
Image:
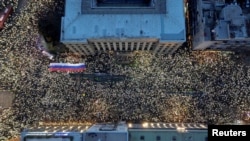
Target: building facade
column 91, row 26
column 120, row 131
column 220, row 24
column 168, row 132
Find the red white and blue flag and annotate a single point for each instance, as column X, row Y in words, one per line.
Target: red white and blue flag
column 67, row 67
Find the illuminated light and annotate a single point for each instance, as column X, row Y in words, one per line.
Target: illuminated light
column 78, row 127
column 62, row 134
column 181, row 129
column 176, row 125
column 195, row 126
column 179, row 126
column 38, row 134
column 46, row 131
column 130, row 125
column 152, row 124
column 171, row 125
column 145, row 125
column 238, row 122
column 189, row 125
column 203, row 126
column 82, row 131
column 158, row 125
column 46, row 127
column 182, row 125
column 164, row 124
column 70, row 127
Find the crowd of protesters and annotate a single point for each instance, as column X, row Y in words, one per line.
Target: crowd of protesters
column 197, row 87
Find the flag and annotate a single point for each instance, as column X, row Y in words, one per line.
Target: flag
column 67, row 67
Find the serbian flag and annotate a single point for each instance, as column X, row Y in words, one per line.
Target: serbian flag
column 67, row 67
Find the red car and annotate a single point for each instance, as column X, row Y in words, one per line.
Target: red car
column 4, row 15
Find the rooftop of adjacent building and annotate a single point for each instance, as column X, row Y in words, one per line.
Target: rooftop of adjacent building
column 80, row 24
column 224, row 20
column 214, row 21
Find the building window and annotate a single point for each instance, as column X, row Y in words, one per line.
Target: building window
column 158, row 138
column 112, row 47
column 174, row 138
column 146, row 45
column 151, row 48
column 117, row 45
column 190, row 138
column 136, row 45
column 142, row 138
column 167, row 50
column 95, row 48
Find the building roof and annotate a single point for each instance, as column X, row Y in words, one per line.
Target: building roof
column 114, row 128
column 52, row 129
column 108, row 128
column 232, row 24
column 169, row 26
column 168, row 126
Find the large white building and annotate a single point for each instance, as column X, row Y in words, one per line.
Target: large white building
column 91, row 26
column 220, row 25
column 118, row 132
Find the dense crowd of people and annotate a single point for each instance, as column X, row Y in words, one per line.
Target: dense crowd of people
column 197, row 87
